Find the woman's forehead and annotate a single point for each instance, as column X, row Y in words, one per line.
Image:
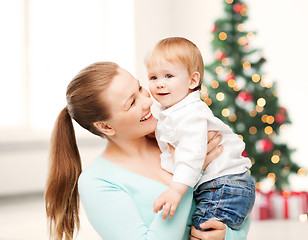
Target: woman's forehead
column 121, row 88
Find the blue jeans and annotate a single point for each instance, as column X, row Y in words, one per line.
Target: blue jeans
column 228, row 199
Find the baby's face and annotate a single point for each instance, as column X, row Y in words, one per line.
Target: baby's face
column 169, row 82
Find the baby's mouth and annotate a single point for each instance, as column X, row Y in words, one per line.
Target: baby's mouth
column 162, row 94
column 146, row 117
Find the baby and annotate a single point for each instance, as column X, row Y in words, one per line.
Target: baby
column 225, row 191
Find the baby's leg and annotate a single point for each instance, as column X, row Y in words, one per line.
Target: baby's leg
column 228, row 199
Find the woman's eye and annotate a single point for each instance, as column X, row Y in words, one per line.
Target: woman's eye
column 133, row 102
column 169, row 76
column 153, row 78
column 140, row 88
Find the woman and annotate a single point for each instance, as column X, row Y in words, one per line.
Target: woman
column 120, row 186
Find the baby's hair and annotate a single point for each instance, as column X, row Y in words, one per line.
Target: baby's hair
column 178, row 49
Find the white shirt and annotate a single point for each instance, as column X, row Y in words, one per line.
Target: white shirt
column 185, row 126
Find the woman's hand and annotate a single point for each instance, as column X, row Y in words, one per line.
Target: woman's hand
column 218, row 232
column 213, row 150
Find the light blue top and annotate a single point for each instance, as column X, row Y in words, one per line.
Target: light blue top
column 119, row 205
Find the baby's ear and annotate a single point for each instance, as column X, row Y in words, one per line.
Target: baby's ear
column 194, row 80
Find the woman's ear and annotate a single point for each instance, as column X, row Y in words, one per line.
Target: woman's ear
column 104, row 128
column 194, row 80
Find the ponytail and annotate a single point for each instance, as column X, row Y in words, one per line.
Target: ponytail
column 86, row 106
column 62, row 198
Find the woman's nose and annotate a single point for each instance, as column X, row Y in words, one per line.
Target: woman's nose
column 147, row 99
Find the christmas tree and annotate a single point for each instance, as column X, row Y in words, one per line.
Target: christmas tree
column 241, row 95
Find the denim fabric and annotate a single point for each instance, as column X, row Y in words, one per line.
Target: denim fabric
column 228, row 199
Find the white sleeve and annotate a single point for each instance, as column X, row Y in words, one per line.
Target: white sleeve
column 192, row 148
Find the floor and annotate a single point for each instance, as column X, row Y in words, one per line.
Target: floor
column 23, row 218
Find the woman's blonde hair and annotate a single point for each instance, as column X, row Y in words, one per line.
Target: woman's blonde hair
column 85, row 105
column 177, row 49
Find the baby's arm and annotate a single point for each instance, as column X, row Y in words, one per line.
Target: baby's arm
column 170, row 199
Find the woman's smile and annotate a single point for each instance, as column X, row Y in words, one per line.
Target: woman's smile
column 146, row 117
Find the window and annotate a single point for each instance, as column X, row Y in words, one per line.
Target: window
column 45, row 43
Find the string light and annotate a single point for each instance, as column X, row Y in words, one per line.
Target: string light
column 271, row 176
column 242, row 41
column 250, row 35
column 229, row 1
column 277, row 152
column 268, row 130
column 243, row 10
column 220, row 96
column 253, row 113
column 263, row 169
column 231, row 83
column 286, row 194
column 236, row 88
column 219, row 70
column 222, row 36
column 252, row 130
column 232, row 118
column 215, row 84
column 256, row 78
column 264, row 118
column 270, row 120
column 261, row 102
column 240, row 27
column 302, row 171
column 246, row 65
column 208, row 101
column 225, row 112
column 275, row 159
column 259, row 109
column 203, row 92
column 282, row 127
column 225, row 61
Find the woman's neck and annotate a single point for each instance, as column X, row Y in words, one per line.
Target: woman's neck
column 122, row 149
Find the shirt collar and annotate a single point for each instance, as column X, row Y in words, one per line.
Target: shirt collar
column 190, row 98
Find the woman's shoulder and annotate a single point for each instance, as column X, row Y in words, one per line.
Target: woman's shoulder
column 99, row 172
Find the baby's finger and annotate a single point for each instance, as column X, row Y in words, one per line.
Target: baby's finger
column 166, row 211
column 172, row 210
column 158, row 205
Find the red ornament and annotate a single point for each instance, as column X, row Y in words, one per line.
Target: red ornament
column 230, row 76
column 245, row 96
column 214, row 28
column 219, row 55
column 244, row 153
column 265, row 145
column 280, row 118
column 282, row 110
column 237, row 7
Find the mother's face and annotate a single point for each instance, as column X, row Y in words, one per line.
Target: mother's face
column 130, row 107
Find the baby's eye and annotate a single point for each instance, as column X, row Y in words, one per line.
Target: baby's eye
column 153, row 78
column 169, row 76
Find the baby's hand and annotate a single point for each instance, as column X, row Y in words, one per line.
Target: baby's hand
column 170, row 200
